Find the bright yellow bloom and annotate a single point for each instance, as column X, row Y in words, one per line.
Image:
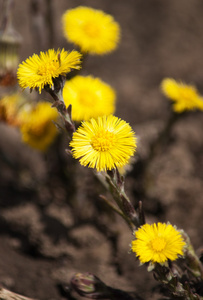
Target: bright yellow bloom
column 9, row 106
column 36, row 125
column 92, row 30
column 157, row 243
column 90, row 97
column 185, row 97
column 39, row 70
column 103, row 143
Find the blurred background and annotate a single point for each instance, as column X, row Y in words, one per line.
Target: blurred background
column 52, row 221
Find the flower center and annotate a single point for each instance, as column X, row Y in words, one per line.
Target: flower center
column 103, row 141
column 49, row 68
column 158, row 244
column 39, row 130
column 86, row 98
column 91, row 29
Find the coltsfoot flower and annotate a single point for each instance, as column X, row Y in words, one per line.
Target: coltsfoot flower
column 9, row 108
column 38, row 71
column 36, row 125
column 158, row 243
column 185, row 97
column 103, row 143
column 92, row 30
column 90, row 97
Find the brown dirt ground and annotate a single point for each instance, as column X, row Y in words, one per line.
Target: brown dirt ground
column 52, row 221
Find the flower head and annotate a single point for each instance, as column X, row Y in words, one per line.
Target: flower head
column 103, row 143
column 39, row 70
column 36, row 125
column 184, row 97
column 90, row 97
column 157, row 243
column 92, row 30
column 9, row 108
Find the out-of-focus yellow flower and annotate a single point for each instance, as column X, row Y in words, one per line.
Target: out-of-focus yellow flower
column 90, row 97
column 36, row 125
column 124, row 170
column 103, row 143
column 9, row 106
column 39, row 70
column 185, row 97
column 92, row 30
column 158, row 243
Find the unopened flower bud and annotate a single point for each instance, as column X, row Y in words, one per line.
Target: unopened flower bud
column 88, row 285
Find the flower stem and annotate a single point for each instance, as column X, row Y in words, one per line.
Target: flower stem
column 118, row 211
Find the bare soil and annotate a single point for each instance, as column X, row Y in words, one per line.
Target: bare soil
column 53, row 223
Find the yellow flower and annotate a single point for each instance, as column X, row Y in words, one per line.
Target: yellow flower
column 36, row 125
column 90, row 97
column 185, row 97
column 103, row 143
column 127, row 168
column 9, row 106
column 157, row 243
column 39, row 70
column 90, row 29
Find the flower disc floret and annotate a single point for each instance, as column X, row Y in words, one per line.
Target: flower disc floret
column 92, row 30
column 90, row 97
column 38, row 71
column 103, row 143
column 185, row 97
column 158, row 243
